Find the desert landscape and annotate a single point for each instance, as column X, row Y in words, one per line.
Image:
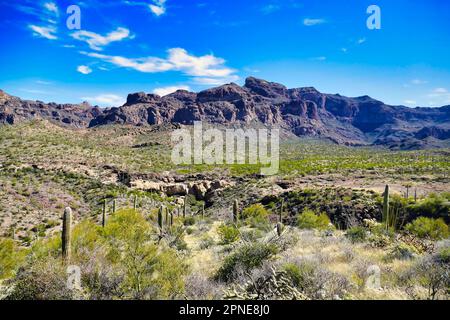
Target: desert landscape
column 358, row 210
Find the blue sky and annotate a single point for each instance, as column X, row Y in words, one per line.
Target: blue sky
column 160, row 45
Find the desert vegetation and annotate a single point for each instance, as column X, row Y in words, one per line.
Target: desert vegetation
column 325, row 228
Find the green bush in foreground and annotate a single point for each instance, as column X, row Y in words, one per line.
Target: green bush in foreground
column 356, row 234
column 245, row 258
column 423, row 227
column 10, row 257
column 309, row 220
column 228, row 234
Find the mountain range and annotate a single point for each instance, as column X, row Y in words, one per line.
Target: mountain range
column 301, row 111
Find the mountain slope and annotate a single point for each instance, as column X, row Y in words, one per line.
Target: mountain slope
column 302, row 111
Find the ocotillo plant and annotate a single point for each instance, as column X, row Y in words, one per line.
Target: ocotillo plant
column 235, row 211
column 386, row 206
column 104, row 213
column 66, row 233
column 203, row 210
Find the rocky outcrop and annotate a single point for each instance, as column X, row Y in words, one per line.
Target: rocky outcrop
column 14, row 110
column 302, row 111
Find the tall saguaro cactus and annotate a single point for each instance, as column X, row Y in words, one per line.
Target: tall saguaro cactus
column 135, row 202
column 114, row 206
column 104, row 213
column 281, row 210
column 160, row 218
column 66, row 233
column 279, row 228
column 203, row 210
column 386, row 206
column 184, row 207
column 235, row 210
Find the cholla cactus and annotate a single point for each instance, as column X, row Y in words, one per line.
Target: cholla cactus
column 66, row 234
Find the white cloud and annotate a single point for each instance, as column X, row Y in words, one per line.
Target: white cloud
column 440, row 91
column 215, row 81
column 410, row 102
column 319, row 58
column 178, row 59
column 362, row 40
column 84, row 69
column 418, row 81
column 312, row 22
column 344, row 50
column 168, row 90
column 52, row 7
column 106, row 100
column 97, row 41
column 440, row 94
column 44, row 32
column 158, row 7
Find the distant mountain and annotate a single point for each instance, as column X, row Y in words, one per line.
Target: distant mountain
column 302, row 111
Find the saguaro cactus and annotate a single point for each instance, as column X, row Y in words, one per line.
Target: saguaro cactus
column 135, row 202
column 235, row 211
column 171, row 219
column 114, row 206
column 104, row 213
column 66, row 233
column 386, row 206
column 184, row 208
column 160, row 218
column 203, row 210
column 279, row 228
column 281, row 210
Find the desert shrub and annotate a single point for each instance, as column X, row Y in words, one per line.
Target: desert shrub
column 189, row 221
column 199, row 287
column 245, row 258
column 206, row 242
column 309, row 220
column 401, row 251
column 356, row 234
column 424, row 227
column 316, row 282
column 228, row 234
column 42, row 280
column 255, row 211
column 434, row 206
column 431, row 272
column 10, row 257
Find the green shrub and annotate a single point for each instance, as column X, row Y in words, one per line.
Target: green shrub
column 298, row 274
column 245, row 258
column 10, row 257
column 189, row 221
column 228, row 234
column 255, row 211
column 424, row 227
column 309, row 220
column 356, row 234
column 401, row 251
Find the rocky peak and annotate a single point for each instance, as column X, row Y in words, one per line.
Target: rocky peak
column 265, row 88
column 141, row 97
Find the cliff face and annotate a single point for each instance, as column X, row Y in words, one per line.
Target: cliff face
column 302, row 111
column 14, row 110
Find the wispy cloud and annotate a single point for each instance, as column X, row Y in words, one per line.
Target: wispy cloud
column 52, row 7
column 106, row 100
column 270, row 8
column 84, row 69
column 97, row 41
column 418, row 81
column 410, row 102
column 48, row 32
column 440, row 94
column 158, row 7
column 313, row 22
column 168, row 90
column 361, row 40
column 178, row 59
